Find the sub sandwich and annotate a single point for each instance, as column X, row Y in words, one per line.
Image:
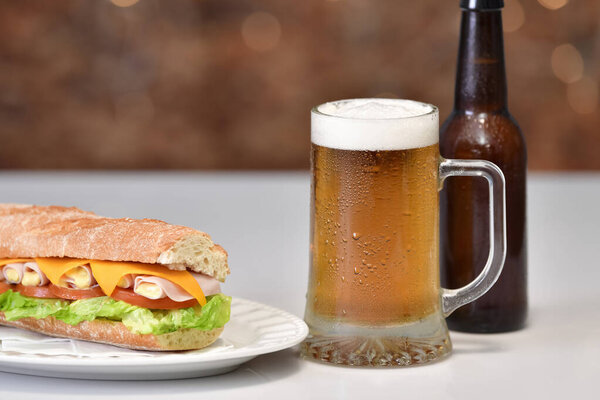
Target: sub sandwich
column 139, row 284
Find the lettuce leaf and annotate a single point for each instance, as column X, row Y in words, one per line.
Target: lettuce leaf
column 140, row 320
column 16, row 306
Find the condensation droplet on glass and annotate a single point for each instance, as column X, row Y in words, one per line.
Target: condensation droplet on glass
column 355, row 236
column 356, row 271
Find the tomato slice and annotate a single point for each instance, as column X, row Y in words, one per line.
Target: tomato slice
column 4, row 287
column 75, row 294
column 128, row 296
column 41, row 292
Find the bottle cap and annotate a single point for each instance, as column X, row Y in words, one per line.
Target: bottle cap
column 481, row 4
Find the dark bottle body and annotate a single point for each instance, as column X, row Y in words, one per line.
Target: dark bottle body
column 480, row 127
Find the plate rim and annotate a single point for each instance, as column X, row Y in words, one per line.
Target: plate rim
column 172, row 358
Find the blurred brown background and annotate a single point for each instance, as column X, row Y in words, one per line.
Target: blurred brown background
column 229, row 83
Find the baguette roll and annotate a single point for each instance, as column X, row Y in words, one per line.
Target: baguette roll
column 52, row 231
column 117, row 334
column 50, row 240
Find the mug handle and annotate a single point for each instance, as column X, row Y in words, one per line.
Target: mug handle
column 454, row 298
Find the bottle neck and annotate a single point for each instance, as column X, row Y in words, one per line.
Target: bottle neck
column 480, row 74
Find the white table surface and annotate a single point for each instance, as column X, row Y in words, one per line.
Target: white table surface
column 262, row 220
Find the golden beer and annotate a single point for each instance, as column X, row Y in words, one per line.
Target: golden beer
column 374, row 235
column 374, row 295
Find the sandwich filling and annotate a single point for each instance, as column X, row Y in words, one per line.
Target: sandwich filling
column 147, row 298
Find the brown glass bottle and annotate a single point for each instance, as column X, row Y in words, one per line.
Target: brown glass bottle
column 480, row 127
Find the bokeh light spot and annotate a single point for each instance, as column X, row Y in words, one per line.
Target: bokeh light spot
column 261, row 31
column 583, row 96
column 567, row 63
column 553, row 4
column 124, row 3
column 513, row 16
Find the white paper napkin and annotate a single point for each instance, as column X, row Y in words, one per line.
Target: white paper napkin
column 26, row 342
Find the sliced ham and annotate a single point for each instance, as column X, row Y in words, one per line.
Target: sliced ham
column 171, row 290
column 126, row 281
column 208, row 284
column 33, row 267
column 88, row 280
column 18, row 268
column 23, row 269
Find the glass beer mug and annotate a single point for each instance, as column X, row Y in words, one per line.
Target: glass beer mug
column 374, row 295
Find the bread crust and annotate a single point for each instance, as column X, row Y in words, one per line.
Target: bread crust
column 51, row 231
column 117, row 334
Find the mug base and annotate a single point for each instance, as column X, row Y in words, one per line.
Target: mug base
column 397, row 346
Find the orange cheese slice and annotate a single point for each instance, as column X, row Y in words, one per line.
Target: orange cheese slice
column 108, row 273
column 55, row 268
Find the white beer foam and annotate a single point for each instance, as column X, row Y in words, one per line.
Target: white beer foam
column 375, row 124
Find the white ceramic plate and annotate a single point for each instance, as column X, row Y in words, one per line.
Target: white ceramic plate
column 254, row 329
